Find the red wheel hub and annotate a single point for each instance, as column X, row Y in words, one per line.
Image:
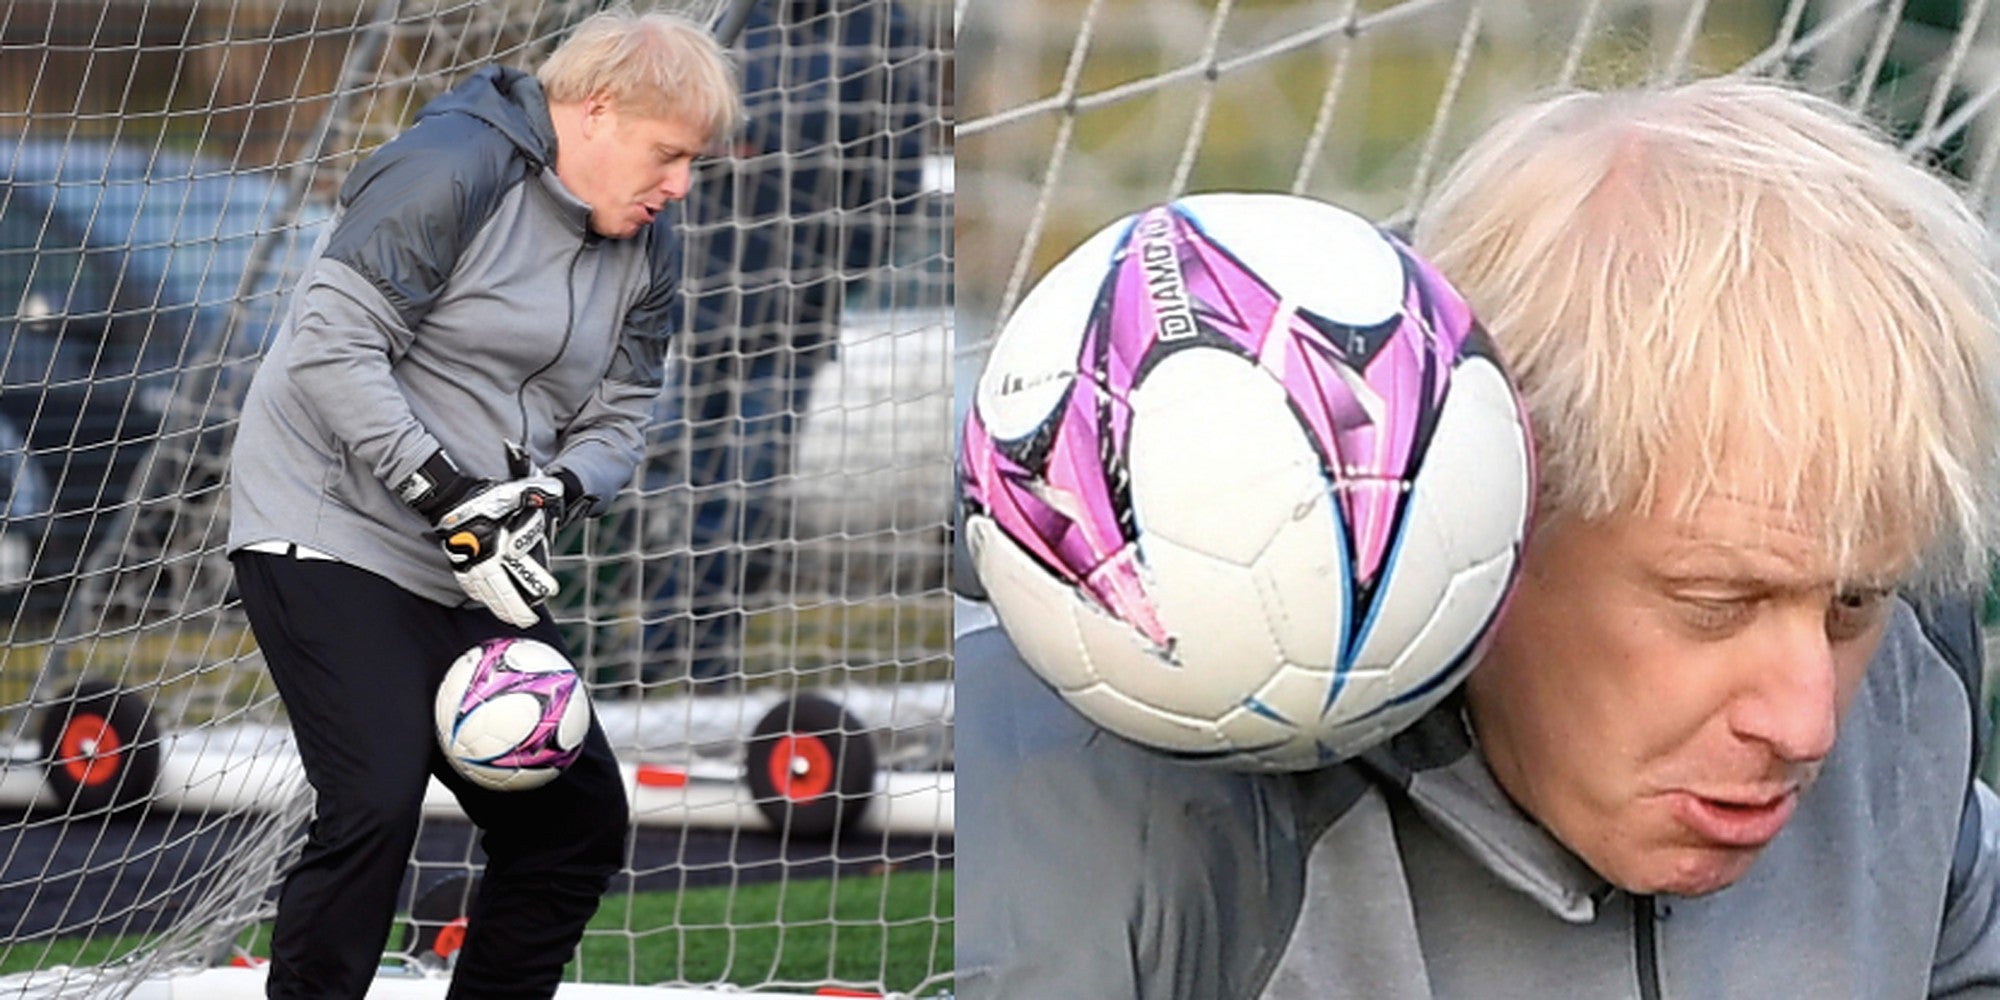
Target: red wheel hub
column 451, row 937
column 89, row 749
column 801, row 767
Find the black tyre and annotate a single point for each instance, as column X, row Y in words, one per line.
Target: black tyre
column 811, row 767
column 438, row 920
column 100, row 748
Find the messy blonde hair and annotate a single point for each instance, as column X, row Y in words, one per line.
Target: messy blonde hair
column 1730, row 277
column 652, row 65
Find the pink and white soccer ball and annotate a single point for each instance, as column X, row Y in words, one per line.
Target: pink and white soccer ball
column 512, row 713
column 1245, row 482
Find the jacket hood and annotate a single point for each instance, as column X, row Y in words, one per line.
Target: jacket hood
column 509, row 100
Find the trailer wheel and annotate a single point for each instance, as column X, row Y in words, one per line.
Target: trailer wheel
column 100, row 748
column 436, row 929
column 811, row 767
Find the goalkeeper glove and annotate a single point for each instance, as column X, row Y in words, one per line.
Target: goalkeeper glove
column 496, row 534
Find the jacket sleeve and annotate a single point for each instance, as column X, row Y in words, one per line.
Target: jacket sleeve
column 1088, row 867
column 603, row 443
column 405, row 216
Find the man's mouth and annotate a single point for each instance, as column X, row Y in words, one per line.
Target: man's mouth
column 1736, row 820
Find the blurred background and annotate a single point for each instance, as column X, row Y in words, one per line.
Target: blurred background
column 1076, row 112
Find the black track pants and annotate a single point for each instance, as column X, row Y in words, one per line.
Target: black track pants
column 357, row 661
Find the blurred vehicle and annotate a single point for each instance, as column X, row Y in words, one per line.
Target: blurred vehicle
column 24, row 503
column 120, row 270
column 872, row 450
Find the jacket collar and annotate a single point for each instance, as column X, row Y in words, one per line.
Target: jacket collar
column 1464, row 802
column 574, row 211
column 1437, row 766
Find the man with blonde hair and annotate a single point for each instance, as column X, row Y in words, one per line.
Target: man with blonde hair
column 1723, row 743
column 471, row 356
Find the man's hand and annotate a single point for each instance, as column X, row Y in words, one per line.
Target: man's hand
column 502, row 561
column 496, row 535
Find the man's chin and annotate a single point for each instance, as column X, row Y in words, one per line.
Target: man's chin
column 620, row 231
column 1690, row 872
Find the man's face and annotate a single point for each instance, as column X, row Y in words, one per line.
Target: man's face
column 1661, row 690
column 627, row 168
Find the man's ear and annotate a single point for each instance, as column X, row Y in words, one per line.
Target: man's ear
column 597, row 113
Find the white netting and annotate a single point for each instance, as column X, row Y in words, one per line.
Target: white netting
column 164, row 168
column 1078, row 112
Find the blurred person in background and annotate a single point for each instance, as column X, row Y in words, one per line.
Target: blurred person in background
column 838, row 98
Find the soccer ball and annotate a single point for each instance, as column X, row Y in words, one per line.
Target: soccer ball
column 511, row 714
column 1245, row 482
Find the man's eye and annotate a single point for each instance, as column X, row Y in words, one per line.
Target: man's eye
column 1853, row 612
column 1714, row 614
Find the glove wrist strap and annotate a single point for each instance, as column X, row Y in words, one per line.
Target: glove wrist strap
column 574, row 500
column 436, row 487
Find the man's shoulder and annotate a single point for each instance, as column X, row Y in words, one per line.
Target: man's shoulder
column 1927, row 673
column 412, row 207
column 1018, row 740
column 1896, row 788
column 453, row 134
column 454, row 155
column 1950, row 625
column 1008, row 720
column 1098, row 868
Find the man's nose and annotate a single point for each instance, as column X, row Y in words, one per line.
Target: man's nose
column 1790, row 702
column 677, row 182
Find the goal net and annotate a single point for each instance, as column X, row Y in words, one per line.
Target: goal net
column 762, row 616
column 1075, row 113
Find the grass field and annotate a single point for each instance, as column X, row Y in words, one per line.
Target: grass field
column 892, row 931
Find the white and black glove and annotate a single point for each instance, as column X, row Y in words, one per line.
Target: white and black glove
column 495, row 533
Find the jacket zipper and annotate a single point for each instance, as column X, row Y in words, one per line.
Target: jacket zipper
column 1646, row 947
column 569, row 331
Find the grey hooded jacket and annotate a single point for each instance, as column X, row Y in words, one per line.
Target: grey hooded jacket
column 1091, row 869
column 458, row 300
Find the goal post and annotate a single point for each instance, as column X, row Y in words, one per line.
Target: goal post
column 165, row 168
